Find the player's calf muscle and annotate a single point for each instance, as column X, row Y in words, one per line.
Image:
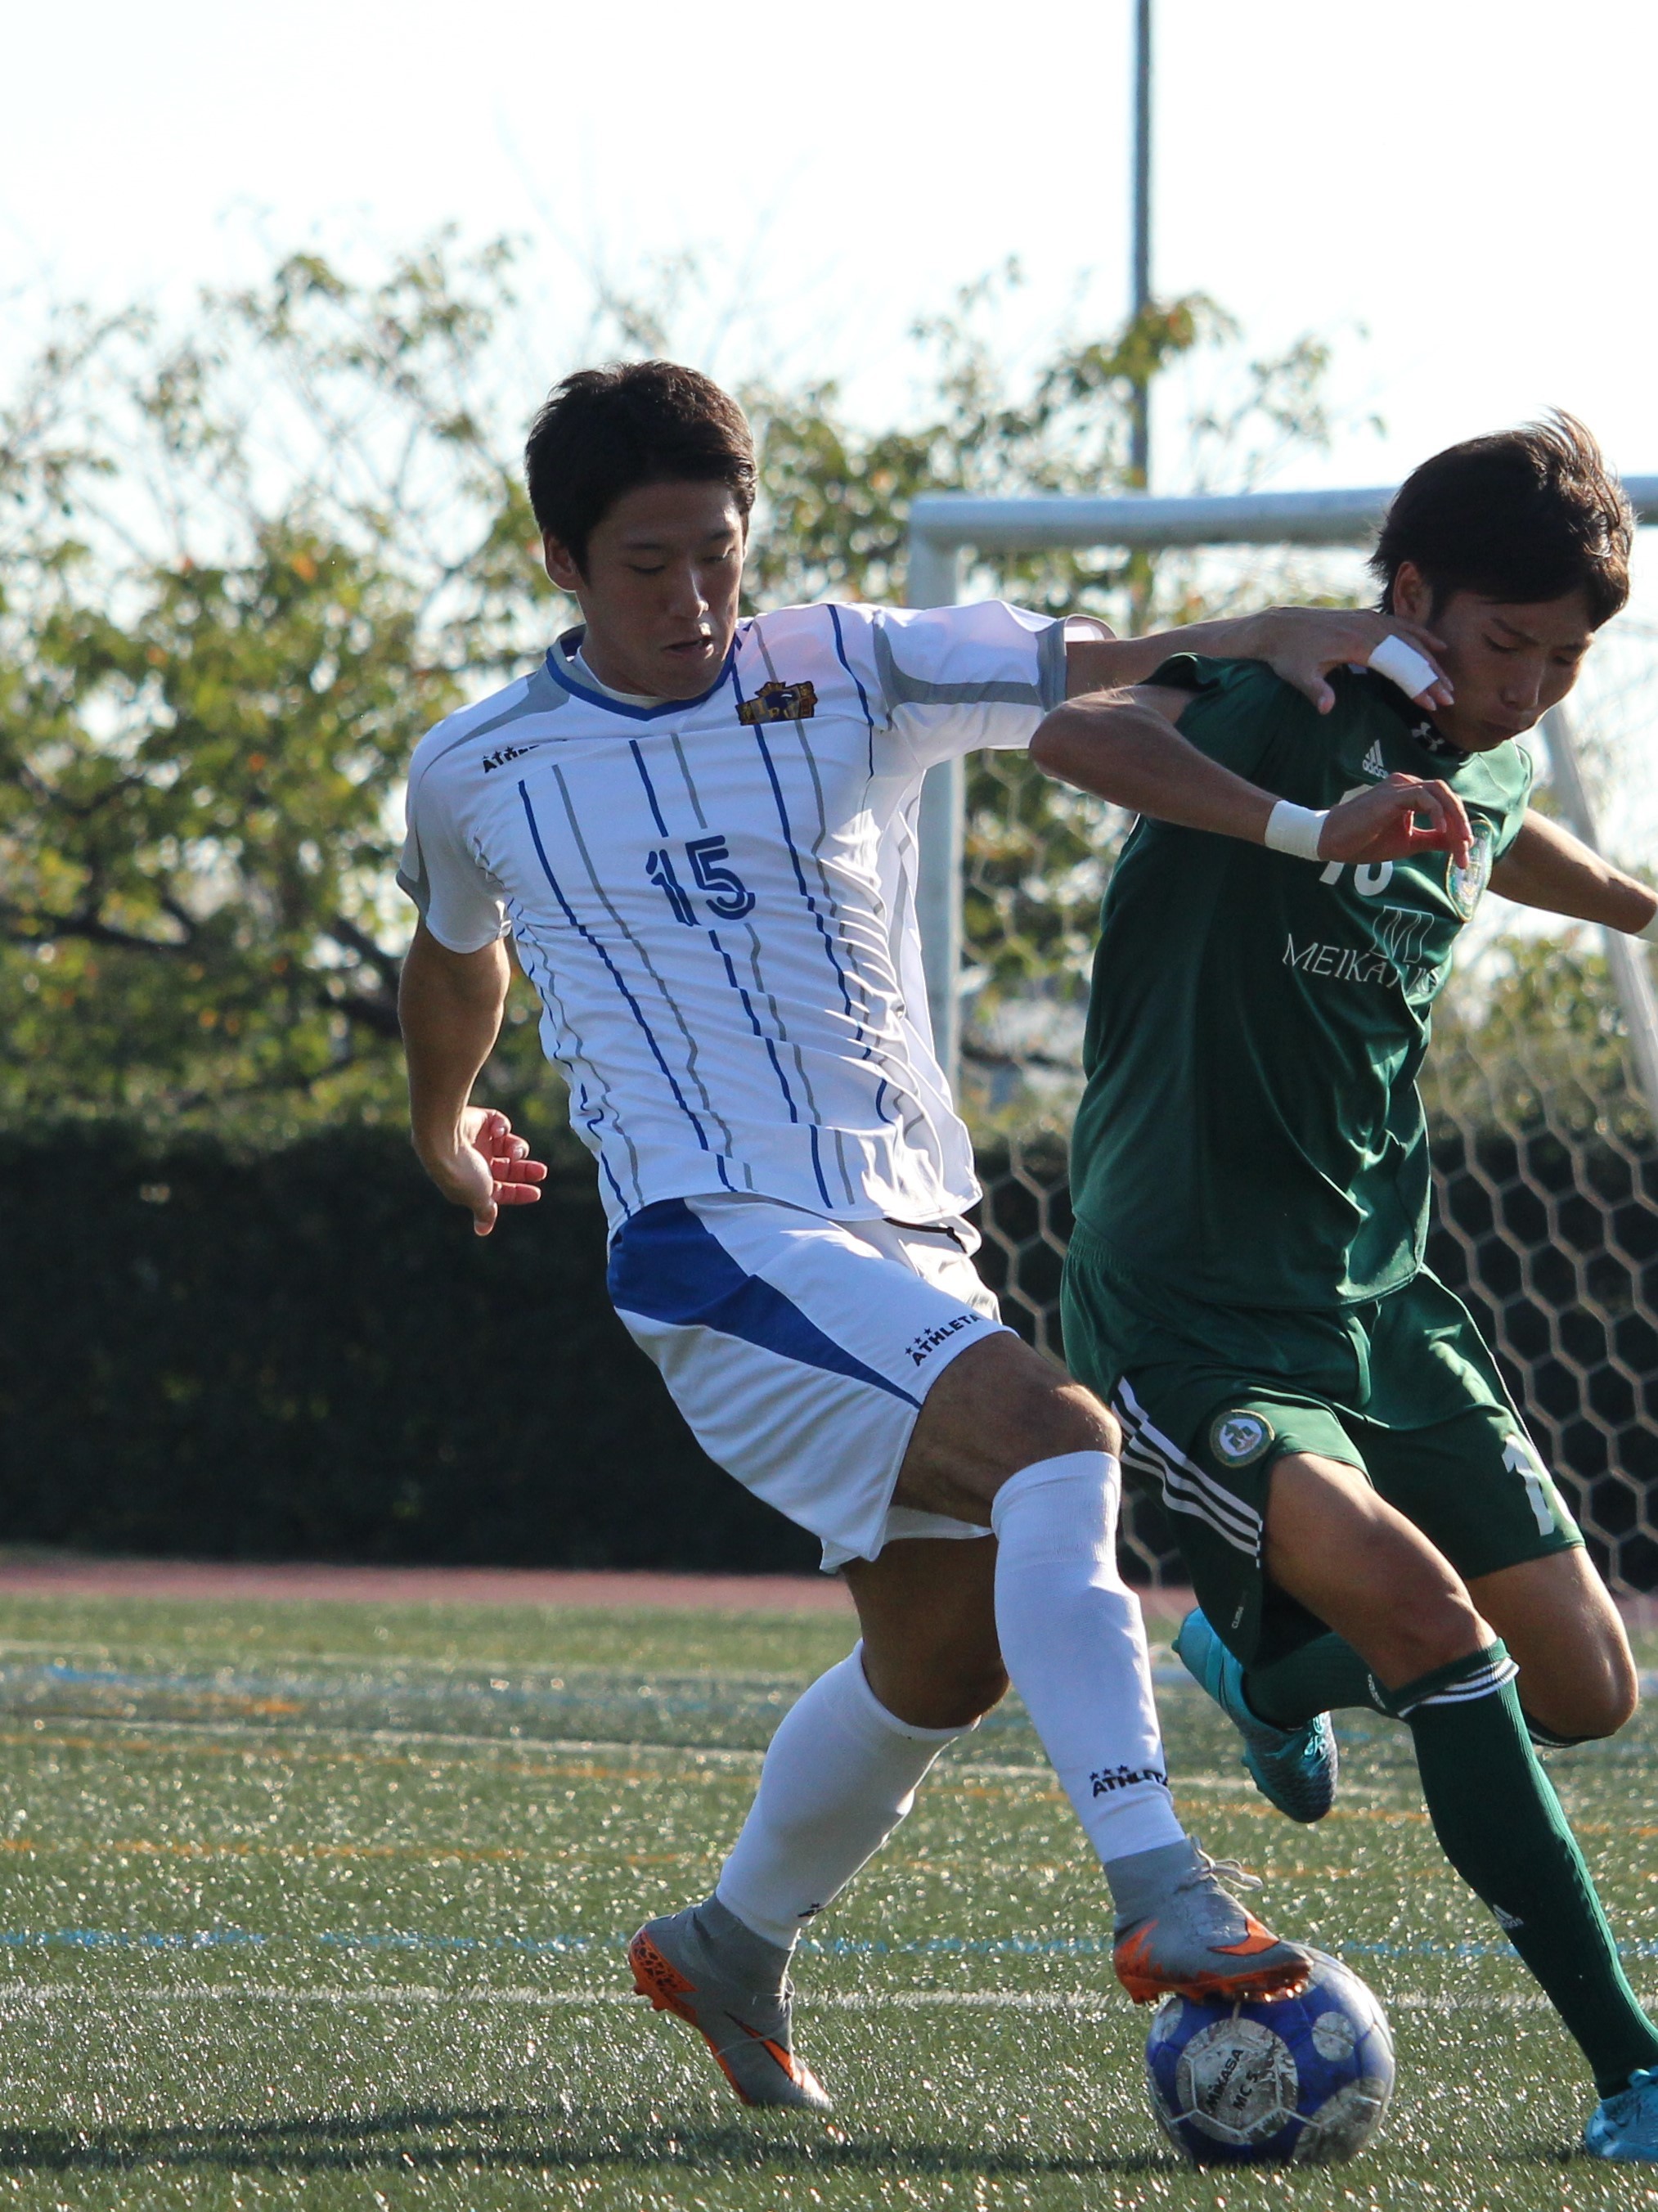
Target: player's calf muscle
column 999, row 1407
column 926, row 1608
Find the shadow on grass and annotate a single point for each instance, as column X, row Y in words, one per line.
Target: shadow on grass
column 504, row 2139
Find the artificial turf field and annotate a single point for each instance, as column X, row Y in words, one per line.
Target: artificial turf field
column 321, row 1905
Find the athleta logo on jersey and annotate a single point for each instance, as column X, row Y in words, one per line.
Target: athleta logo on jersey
column 506, row 753
column 922, row 1347
column 779, row 703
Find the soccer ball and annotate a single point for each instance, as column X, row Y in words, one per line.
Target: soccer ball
column 1305, row 2078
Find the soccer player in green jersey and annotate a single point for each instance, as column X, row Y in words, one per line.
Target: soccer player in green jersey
column 1364, row 1517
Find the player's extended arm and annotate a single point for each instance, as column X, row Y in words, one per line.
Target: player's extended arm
column 450, row 1004
column 1300, row 644
column 1546, row 867
column 1123, row 746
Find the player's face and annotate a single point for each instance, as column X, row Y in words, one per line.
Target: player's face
column 1507, row 664
column 660, row 593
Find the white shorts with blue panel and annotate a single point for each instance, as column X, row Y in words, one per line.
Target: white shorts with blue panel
column 800, row 1349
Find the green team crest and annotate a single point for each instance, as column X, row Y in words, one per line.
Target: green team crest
column 1238, row 1439
column 1466, row 885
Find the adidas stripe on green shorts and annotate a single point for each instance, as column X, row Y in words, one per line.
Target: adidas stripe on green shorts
column 1402, row 1387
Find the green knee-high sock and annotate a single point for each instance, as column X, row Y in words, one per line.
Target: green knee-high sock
column 1319, row 1678
column 1500, row 1825
column 1326, row 1674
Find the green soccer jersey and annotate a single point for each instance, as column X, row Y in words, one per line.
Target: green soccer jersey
column 1251, row 1131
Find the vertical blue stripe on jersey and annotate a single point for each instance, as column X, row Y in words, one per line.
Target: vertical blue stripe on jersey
column 529, row 953
column 650, row 789
column 799, row 875
column 662, row 831
column 736, row 984
column 636, row 1010
column 666, row 1265
column 863, row 701
column 732, row 979
column 863, row 695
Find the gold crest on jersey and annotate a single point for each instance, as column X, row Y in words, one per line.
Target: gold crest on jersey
column 1468, row 885
column 779, row 703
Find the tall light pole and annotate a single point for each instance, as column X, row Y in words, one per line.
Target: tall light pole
column 1140, row 438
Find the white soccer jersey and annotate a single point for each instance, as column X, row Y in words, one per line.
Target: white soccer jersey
column 714, row 898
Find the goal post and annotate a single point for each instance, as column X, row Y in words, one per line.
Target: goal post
column 1546, row 1136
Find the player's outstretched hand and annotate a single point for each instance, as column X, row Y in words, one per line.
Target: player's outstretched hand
column 487, row 1168
column 1394, row 819
column 1303, row 644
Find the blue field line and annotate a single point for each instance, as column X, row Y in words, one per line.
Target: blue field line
column 574, row 1946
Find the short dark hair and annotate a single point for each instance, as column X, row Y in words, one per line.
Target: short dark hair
column 605, row 431
column 1528, row 514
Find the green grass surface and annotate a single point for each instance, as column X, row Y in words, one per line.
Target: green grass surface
column 321, row 1905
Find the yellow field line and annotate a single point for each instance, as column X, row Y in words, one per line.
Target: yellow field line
column 551, row 1767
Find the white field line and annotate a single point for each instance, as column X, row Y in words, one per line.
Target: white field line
column 413, row 1997
column 281, row 1732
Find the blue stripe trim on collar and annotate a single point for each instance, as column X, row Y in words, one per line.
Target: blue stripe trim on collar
column 567, row 682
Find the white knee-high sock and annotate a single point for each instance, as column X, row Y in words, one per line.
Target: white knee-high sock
column 840, row 1773
column 1074, row 1644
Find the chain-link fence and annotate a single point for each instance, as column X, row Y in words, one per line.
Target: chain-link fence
column 1545, row 1156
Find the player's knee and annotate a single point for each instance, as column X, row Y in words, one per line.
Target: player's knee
column 976, row 1692
column 1064, row 1417
column 1594, row 1704
column 938, row 1689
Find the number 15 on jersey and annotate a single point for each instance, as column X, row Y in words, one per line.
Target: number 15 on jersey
column 727, row 896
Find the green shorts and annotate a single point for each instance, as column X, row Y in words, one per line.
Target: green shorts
column 1209, row 1397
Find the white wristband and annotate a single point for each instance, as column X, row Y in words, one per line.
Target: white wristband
column 1292, row 829
column 1403, row 665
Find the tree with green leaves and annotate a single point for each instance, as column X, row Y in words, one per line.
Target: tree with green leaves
column 245, row 569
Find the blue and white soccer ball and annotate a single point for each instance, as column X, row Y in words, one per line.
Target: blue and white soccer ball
column 1305, row 2078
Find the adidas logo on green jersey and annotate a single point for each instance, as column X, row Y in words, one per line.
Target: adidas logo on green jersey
column 1373, row 763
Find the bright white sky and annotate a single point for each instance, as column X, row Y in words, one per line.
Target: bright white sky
column 1469, row 183
column 1457, row 192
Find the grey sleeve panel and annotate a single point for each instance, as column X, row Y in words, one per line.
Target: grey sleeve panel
column 899, row 689
column 543, row 696
column 418, row 888
column 1050, row 665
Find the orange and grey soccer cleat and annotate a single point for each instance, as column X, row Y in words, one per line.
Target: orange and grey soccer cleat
column 703, row 1965
column 1180, row 1932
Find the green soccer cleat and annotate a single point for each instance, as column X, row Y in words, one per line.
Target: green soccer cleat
column 1294, row 1769
column 703, row 1965
column 1626, row 2127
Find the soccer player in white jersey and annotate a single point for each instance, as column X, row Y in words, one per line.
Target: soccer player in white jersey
column 699, row 831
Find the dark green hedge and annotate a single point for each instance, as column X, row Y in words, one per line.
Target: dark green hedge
column 306, row 1354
